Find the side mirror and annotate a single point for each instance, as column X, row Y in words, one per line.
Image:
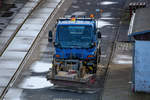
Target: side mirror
column 98, row 34
column 55, row 44
column 50, row 36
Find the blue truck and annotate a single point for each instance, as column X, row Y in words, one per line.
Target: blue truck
column 77, row 52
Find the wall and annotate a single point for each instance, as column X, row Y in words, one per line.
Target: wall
column 142, row 66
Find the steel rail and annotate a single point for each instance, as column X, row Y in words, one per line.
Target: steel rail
column 113, row 47
column 18, row 28
column 31, row 50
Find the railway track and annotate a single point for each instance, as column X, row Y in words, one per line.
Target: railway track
column 44, row 13
column 20, row 24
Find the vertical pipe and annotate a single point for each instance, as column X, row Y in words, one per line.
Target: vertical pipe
column 130, row 8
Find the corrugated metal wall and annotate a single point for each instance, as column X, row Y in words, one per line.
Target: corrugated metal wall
column 142, row 66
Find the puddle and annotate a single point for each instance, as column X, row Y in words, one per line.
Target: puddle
column 2, row 24
column 104, row 15
column 35, row 82
column 104, row 36
column 108, row 3
column 74, row 1
column 14, row 6
column 14, row 94
column 68, row 16
column 40, row 67
column 108, row 18
column 103, row 56
column 88, row 3
column 102, row 23
column 130, row 82
column 79, row 13
column 97, row 10
column 75, row 7
column 7, row 14
column 123, row 62
column 122, row 59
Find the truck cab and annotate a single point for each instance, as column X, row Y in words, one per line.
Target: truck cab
column 77, row 39
column 77, row 50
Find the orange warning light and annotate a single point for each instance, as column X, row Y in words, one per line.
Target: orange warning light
column 92, row 16
column 101, row 10
column 73, row 19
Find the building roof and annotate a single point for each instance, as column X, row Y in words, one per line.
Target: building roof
column 141, row 22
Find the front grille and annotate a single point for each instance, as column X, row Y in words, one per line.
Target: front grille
column 74, row 56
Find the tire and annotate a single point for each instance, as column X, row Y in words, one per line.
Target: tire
column 49, row 40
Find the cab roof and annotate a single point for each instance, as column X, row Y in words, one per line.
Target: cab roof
column 78, row 21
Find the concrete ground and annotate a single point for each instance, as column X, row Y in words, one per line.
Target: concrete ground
column 8, row 12
column 118, row 81
column 32, row 84
column 119, row 75
column 12, row 58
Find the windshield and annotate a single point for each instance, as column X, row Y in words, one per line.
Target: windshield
column 74, row 33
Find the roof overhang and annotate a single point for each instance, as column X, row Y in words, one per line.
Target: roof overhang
column 140, row 22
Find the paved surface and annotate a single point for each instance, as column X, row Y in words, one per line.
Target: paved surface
column 32, row 84
column 8, row 12
column 118, row 81
column 14, row 25
column 13, row 57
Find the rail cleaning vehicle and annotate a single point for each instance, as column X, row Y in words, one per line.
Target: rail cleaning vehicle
column 77, row 52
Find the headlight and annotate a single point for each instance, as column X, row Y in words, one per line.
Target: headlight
column 57, row 56
column 89, row 56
